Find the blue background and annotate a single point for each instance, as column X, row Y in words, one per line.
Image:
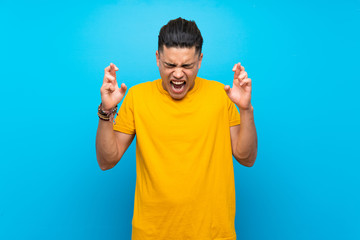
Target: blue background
column 303, row 59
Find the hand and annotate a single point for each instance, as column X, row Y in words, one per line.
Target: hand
column 240, row 93
column 111, row 94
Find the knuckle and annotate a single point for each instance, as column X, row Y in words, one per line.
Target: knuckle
column 110, row 78
column 104, row 87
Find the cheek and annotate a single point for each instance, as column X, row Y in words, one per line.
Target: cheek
column 191, row 74
column 165, row 72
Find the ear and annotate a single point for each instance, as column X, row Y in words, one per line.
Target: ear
column 157, row 58
column 200, row 59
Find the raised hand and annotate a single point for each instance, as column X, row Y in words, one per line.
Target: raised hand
column 111, row 94
column 240, row 93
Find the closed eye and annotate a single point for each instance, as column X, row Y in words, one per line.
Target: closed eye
column 169, row 65
column 188, row 65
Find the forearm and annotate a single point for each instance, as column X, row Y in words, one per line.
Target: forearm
column 246, row 146
column 106, row 145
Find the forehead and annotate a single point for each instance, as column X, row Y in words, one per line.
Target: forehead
column 178, row 55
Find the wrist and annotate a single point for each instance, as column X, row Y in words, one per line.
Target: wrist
column 246, row 113
column 105, row 109
column 250, row 108
column 106, row 115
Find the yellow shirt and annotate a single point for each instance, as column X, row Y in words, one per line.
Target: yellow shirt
column 185, row 179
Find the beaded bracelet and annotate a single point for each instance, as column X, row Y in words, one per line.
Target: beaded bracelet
column 106, row 115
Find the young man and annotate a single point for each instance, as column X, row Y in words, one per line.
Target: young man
column 188, row 129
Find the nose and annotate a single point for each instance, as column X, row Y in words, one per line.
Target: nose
column 178, row 73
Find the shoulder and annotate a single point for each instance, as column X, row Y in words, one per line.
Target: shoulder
column 210, row 82
column 143, row 88
column 216, row 90
column 212, row 86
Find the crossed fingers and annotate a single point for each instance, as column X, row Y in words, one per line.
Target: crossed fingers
column 110, row 74
column 240, row 75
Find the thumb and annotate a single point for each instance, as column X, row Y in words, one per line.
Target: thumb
column 227, row 89
column 123, row 88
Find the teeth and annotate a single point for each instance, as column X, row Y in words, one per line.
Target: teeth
column 177, row 83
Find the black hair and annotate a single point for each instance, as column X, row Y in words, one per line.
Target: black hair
column 180, row 33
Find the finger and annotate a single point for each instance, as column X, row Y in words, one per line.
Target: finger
column 234, row 68
column 237, row 70
column 243, row 75
column 111, row 65
column 112, row 69
column 236, row 82
column 246, row 81
column 109, row 78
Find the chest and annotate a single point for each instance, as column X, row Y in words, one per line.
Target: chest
column 179, row 119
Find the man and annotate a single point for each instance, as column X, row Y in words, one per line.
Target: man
column 187, row 130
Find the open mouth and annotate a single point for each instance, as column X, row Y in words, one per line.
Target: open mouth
column 177, row 86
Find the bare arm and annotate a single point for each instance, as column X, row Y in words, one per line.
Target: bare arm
column 244, row 139
column 110, row 144
column 243, row 136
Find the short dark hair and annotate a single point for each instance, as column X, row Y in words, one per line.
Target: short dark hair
column 180, row 33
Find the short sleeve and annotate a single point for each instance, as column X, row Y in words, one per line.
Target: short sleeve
column 234, row 115
column 124, row 121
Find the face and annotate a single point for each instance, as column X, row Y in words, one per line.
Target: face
column 178, row 69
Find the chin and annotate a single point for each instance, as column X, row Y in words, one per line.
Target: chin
column 177, row 97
